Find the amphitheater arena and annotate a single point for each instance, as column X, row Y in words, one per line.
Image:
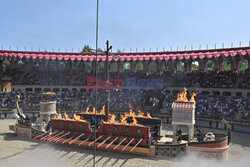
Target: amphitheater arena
column 145, row 81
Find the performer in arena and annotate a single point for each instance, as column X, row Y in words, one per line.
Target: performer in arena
column 199, row 134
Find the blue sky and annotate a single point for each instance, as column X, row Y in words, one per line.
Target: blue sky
column 125, row 23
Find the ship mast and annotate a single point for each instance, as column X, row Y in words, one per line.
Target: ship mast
column 107, row 90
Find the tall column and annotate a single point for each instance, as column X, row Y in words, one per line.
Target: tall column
column 98, row 67
column 42, row 65
column 146, row 67
column 55, row 65
column 133, row 67
column 232, row 64
column 93, row 67
column 173, row 66
column 248, row 59
column 28, row 65
column 82, row 66
column 69, row 66
column 120, row 67
column 218, row 64
column 1, row 66
column 235, row 63
column 159, row 66
column 202, row 65
column 13, row 64
column 188, row 65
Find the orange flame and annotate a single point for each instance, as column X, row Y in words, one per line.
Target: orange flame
column 111, row 119
column 182, row 97
column 192, row 98
column 87, row 109
column 148, row 115
column 66, row 117
column 134, row 122
column 48, row 93
column 123, row 120
column 140, row 114
column 130, row 114
column 59, row 116
column 78, row 118
column 102, row 112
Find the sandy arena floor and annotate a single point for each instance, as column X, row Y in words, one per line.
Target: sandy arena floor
column 22, row 152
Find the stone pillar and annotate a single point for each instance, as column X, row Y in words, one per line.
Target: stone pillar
column 173, row 66
column 82, row 66
column 98, row 68
column 69, row 66
column 133, row 67
column 13, row 64
column 1, row 66
column 188, row 65
column 93, row 67
column 28, row 65
column 55, row 65
column 218, row 64
column 235, row 63
column 146, row 67
column 248, row 59
column 120, row 67
column 202, row 65
column 159, row 66
column 190, row 132
column 175, row 129
column 42, row 65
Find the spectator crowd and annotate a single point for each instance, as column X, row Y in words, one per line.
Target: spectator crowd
column 203, row 79
column 76, row 100
column 207, row 106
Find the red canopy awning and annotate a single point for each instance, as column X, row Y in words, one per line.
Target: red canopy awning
column 159, row 56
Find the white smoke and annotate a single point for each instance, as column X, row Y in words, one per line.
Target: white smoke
column 194, row 160
column 42, row 156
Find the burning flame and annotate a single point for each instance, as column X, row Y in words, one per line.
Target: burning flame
column 78, row 118
column 148, row 115
column 140, row 114
column 102, row 112
column 66, row 117
column 59, row 116
column 123, row 121
column 192, row 98
column 48, row 93
column 130, row 114
column 134, row 122
column 182, row 97
column 111, row 119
